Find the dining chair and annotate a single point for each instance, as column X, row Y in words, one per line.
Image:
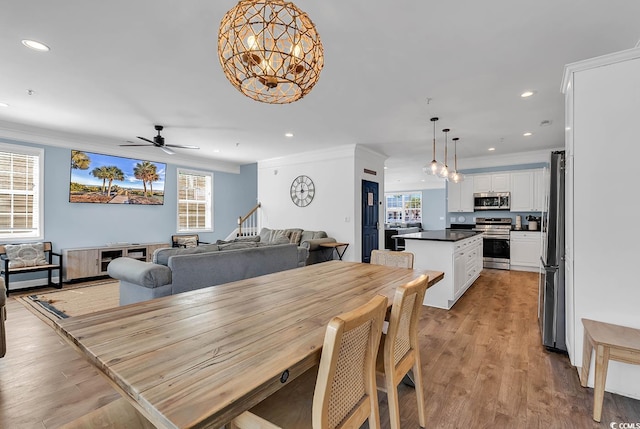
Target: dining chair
column 392, row 259
column 399, row 350
column 345, row 394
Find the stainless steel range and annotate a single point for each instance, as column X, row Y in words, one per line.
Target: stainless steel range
column 496, row 246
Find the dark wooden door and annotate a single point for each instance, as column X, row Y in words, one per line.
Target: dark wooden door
column 370, row 210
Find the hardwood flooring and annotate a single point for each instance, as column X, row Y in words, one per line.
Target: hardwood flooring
column 482, row 362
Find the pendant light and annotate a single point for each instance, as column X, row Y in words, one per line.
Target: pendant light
column 270, row 50
column 455, row 176
column 444, row 169
column 434, row 166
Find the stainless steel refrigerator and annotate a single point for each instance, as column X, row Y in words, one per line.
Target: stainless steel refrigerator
column 551, row 310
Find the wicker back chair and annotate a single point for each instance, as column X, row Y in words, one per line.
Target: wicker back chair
column 345, row 391
column 400, row 351
column 392, row 259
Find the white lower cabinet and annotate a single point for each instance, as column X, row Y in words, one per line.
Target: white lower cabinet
column 461, row 262
column 526, row 249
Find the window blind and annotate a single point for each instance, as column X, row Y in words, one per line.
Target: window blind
column 195, row 201
column 19, row 195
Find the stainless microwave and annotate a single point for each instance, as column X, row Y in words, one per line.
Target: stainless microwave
column 492, row 201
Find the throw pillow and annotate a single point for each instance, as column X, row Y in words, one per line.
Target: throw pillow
column 26, row 255
column 187, row 241
column 295, row 237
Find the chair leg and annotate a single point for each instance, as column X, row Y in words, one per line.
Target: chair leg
column 417, row 379
column 392, row 400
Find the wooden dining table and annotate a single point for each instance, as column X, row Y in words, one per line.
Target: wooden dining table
column 198, row 359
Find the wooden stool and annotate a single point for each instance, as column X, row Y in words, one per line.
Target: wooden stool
column 611, row 342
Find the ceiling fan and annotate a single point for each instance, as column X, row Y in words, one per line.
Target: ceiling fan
column 158, row 141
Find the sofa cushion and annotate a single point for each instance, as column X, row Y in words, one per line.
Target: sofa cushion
column 161, row 256
column 250, row 239
column 274, row 236
column 26, row 255
column 312, row 235
column 238, row 245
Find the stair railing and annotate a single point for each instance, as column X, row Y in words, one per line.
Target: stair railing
column 248, row 224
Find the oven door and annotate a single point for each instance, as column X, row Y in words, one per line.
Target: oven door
column 496, row 252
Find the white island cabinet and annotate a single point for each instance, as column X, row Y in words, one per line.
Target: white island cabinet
column 457, row 253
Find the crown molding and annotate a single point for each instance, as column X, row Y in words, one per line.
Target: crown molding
column 604, row 60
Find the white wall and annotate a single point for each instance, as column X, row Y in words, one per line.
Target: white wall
column 371, row 161
column 332, row 209
column 606, row 102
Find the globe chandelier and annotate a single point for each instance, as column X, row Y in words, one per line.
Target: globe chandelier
column 270, row 50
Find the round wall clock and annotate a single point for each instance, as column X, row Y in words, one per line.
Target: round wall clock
column 302, row 191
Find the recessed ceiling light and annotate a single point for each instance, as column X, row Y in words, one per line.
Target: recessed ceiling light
column 386, row 168
column 216, row 151
column 527, row 93
column 4, row 105
column 491, row 149
column 288, row 134
column 527, row 134
column 35, row 45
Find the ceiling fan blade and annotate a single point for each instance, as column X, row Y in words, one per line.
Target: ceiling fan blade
column 167, row 150
column 189, row 146
column 147, row 140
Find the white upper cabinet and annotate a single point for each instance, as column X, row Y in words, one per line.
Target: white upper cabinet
column 460, row 195
column 522, row 191
column 529, row 190
column 498, row 182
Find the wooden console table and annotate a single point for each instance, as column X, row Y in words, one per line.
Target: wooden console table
column 611, row 342
column 85, row 262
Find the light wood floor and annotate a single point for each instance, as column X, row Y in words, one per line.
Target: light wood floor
column 482, row 362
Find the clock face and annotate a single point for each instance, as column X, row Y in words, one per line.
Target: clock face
column 302, row 191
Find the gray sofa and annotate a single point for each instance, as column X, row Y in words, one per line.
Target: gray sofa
column 176, row 270
column 309, row 240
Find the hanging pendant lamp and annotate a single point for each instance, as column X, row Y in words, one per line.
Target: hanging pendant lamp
column 434, row 166
column 455, row 176
column 444, row 169
column 270, row 50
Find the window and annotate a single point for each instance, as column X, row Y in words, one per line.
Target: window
column 402, row 208
column 20, row 192
column 195, row 201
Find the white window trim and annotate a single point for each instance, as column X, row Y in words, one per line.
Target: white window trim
column 386, row 208
column 32, row 151
column 208, row 207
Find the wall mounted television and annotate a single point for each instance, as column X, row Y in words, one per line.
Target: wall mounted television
column 107, row 179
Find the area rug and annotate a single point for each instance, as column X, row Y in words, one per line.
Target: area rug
column 61, row 304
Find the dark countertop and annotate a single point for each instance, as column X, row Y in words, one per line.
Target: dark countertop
column 439, row 235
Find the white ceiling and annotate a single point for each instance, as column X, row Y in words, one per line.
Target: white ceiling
column 118, row 67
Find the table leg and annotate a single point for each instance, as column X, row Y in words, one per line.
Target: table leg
column 587, row 348
column 602, row 364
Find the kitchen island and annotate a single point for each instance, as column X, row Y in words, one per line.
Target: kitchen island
column 458, row 253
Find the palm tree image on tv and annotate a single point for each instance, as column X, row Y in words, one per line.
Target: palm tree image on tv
column 98, row 178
